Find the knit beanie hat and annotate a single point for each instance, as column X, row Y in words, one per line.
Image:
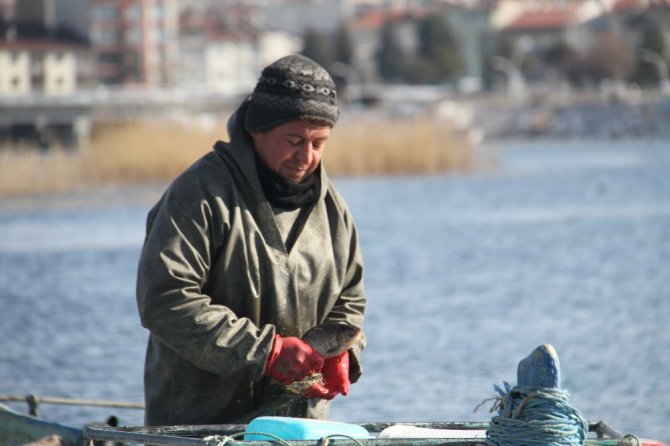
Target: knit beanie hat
column 291, row 88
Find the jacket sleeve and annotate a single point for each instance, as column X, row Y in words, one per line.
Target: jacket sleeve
column 353, row 301
column 183, row 231
column 350, row 306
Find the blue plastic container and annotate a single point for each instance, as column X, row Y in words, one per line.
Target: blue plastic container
column 288, row 428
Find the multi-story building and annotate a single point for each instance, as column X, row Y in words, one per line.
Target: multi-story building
column 223, row 49
column 44, row 62
column 43, row 47
column 135, row 41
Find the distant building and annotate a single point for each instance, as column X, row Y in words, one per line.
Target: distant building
column 70, row 15
column 45, row 59
column 575, row 22
column 135, row 41
column 43, row 48
column 297, row 16
column 544, row 24
column 41, row 66
column 224, row 49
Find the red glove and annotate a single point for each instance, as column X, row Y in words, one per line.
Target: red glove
column 335, row 376
column 291, row 360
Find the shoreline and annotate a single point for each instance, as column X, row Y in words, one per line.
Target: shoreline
column 484, row 158
column 604, row 119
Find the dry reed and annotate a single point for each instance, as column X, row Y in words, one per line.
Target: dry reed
column 404, row 146
column 157, row 152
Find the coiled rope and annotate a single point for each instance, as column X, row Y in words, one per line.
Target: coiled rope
column 535, row 416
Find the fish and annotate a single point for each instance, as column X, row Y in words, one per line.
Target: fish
column 332, row 338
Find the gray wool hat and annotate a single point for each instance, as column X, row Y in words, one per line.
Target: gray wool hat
column 291, row 88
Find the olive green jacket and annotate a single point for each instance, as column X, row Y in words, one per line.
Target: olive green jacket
column 215, row 283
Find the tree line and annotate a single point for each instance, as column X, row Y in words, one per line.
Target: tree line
column 425, row 50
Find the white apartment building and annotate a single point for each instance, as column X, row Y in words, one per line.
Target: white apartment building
column 50, row 71
column 43, row 47
column 233, row 67
column 222, row 50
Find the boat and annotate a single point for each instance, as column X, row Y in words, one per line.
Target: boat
column 18, row 429
column 535, row 411
column 23, row 428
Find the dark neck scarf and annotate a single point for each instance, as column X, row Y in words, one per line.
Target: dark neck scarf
column 287, row 195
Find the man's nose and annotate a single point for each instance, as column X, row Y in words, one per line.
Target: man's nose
column 305, row 153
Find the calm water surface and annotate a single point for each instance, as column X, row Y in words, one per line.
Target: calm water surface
column 564, row 243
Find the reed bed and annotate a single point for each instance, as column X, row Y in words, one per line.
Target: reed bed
column 155, row 152
column 403, row 146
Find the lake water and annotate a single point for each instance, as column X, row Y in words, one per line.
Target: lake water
column 561, row 243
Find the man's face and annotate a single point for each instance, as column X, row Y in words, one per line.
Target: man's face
column 293, row 150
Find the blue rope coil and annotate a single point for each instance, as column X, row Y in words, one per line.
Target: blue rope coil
column 535, row 416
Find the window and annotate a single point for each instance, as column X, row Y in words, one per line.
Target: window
column 109, row 58
column 133, row 13
column 107, row 12
column 159, row 12
column 106, row 36
column 134, row 35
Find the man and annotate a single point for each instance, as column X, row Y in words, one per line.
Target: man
column 246, row 251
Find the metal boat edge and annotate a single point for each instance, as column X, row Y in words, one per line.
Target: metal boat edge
column 21, row 429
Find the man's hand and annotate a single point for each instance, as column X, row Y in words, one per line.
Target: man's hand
column 335, row 376
column 291, row 360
